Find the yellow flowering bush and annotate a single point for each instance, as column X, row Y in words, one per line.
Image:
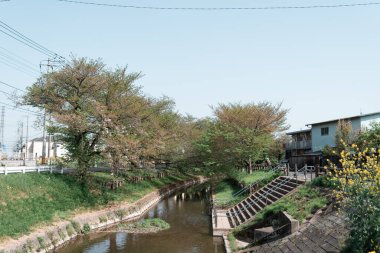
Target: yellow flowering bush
column 357, row 181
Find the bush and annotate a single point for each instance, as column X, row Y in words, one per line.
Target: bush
column 359, row 192
column 103, row 219
column 86, row 228
column 121, row 213
column 76, row 227
column 61, row 234
column 70, row 230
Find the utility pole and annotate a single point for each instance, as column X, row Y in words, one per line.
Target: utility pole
column 50, row 64
column 2, row 128
column 27, row 137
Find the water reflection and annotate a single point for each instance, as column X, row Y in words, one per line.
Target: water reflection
column 187, row 214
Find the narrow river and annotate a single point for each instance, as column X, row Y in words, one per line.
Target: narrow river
column 190, row 231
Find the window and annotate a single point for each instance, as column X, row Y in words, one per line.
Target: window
column 324, row 131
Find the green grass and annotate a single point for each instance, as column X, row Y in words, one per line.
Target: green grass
column 262, row 176
column 224, row 192
column 226, row 188
column 145, row 226
column 30, row 200
column 301, row 204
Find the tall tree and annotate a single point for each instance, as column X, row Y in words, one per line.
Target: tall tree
column 242, row 134
column 344, row 134
column 68, row 96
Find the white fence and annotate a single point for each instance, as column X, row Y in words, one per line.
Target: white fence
column 49, row 169
column 25, row 169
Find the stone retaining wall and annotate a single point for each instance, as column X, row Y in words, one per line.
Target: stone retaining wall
column 52, row 237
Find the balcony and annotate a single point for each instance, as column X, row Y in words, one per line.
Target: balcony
column 306, row 144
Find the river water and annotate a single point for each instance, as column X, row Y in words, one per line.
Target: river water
column 190, row 230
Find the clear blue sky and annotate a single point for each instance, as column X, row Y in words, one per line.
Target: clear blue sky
column 321, row 63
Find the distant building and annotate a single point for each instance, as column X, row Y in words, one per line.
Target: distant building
column 34, row 149
column 306, row 145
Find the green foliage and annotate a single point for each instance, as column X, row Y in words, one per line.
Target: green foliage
column 300, row 204
column 370, row 137
column 70, row 230
column 241, row 134
column 364, row 216
column 262, row 176
column 146, row 225
column 61, row 234
column 86, row 228
column 121, row 213
column 232, row 240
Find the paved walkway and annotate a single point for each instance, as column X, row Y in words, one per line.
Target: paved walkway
column 325, row 232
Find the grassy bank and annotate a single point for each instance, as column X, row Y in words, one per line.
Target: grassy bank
column 301, row 204
column 262, row 176
column 225, row 189
column 31, row 200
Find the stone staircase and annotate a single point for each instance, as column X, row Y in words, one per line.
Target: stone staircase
column 246, row 209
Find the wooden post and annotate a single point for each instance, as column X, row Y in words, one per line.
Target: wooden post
column 317, row 170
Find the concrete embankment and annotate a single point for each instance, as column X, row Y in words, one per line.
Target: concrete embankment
column 48, row 238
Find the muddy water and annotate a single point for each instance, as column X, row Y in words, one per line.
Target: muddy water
column 190, row 231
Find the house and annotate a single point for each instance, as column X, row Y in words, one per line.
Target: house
column 306, row 145
column 53, row 149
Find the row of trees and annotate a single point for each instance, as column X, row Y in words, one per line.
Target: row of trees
column 102, row 114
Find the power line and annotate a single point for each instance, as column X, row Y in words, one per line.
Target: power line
column 17, row 60
column 17, row 66
column 222, row 8
column 11, row 86
column 13, row 33
column 11, row 107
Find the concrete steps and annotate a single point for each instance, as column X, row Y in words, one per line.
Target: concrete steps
column 246, row 210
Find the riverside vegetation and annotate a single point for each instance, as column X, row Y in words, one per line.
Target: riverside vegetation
column 28, row 201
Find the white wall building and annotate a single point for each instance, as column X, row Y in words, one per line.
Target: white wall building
column 34, row 149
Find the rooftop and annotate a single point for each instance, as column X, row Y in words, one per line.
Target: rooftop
column 299, row 131
column 347, row 118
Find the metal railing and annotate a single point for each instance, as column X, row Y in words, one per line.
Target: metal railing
column 260, row 197
column 224, row 201
column 305, row 170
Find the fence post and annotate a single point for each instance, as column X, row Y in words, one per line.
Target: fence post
column 305, row 172
column 51, row 170
column 6, row 171
column 317, row 170
column 23, row 170
column 62, row 170
column 38, row 169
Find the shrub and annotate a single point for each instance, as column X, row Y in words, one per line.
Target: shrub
column 53, row 239
column 121, row 213
column 103, row 219
column 359, row 192
column 61, row 234
column 76, row 227
column 86, row 228
column 70, row 230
